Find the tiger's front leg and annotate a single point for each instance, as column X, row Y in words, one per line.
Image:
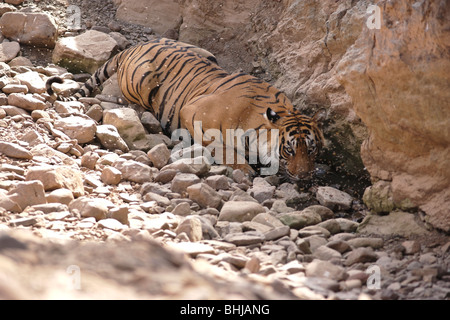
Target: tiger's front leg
column 209, row 129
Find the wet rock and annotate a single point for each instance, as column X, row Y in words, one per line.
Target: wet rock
column 239, row 211
column 333, row 198
column 35, row 29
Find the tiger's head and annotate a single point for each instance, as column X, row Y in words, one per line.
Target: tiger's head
column 300, row 140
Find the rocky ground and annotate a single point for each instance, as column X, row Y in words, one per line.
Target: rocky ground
column 88, row 212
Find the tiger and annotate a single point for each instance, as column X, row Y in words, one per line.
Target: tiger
column 182, row 85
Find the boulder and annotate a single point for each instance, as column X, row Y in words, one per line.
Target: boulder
column 84, row 53
column 35, row 29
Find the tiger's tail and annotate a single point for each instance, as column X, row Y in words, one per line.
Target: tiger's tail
column 102, row 74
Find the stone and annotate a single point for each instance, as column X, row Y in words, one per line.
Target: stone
column 361, row 255
column 8, row 51
column 32, row 80
column 43, row 150
column 244, row 239
column 268, row 220
column 218, row 182
column 324, row 212
column 396, row 223
column 112, row 224
column 239, row 211
column 325, row 269
column 159, row 155
column 151, row 123
column 204, row 195
column 374, row 243
column 411, row 246
column 25, row 222
column 81, row 129
column 121, row 40
column 56, row 177
column 110, row 138
column 95, row 112
column 182, row 181
column 111, row 175
column 192, row 249
column 198, row 166
column 378, row 197
column 182, row 209
column 339, row 245
column 333, row 198
column 300, row 219
column 89, row 208
column 127, row 124
column 26, row 101
column 62, row 195
column 85, row 52
column 347, row 225
column 34, row 29
column 134, row 171
column 159, row 199
column 331, row 225
column 27, row 193
column 261, row 190
column 192, row 226
column 326, row 253
column 276, row 233
column 15, row 88
column 13, row 150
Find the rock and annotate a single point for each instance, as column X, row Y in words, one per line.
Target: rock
column 15, row 88
column 127, row 124
column 62, row 195
column 339, row 246
column 134, row 171
column 25, row 222
column 182, row 209
column 198, row 166
column 192, row 226
column 374, row 243
column 27, row 193
column 300, row 219
column 151, row 123
column 89, row 208
column 268, row 220
column 277, row 233
column 89, row 160
column 244, row 239
column 56, row 177
column 112, row 224
column 331, row 225
column 411, row 246
column 26, row 101
column 8, row 51
column 218, row 182
column 8, row 204
column 324, row 269
column 324, row 212
column 239, row 211
column 183, row 180
column 77, row 128
column 110, row 139
column 204, row 195
column 34, row 29
column 14, row 151
column 85, row 52
column 95, row 112
column 159, row 199
column 261, row 190
column 361, row 255
column 121, row 40
column 43, row 150
column 32, row 80
column 347, row 225
column 378, row 197
column 120, row 214
column 111, row 175
column 333, row 198
column 159, row 155
column 192, row 249
column 395, row 223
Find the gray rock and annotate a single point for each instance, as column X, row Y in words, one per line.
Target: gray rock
column 325, row 269
column 326, row 253
column 374, row 243
column 159, row 155
column 244, row 239
column 395, row 223
column 361, row 255
column 333, row 198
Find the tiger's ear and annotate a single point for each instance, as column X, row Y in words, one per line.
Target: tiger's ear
column 272, row 115
column 320, row 115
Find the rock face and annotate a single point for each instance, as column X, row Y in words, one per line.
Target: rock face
column 398, row 79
